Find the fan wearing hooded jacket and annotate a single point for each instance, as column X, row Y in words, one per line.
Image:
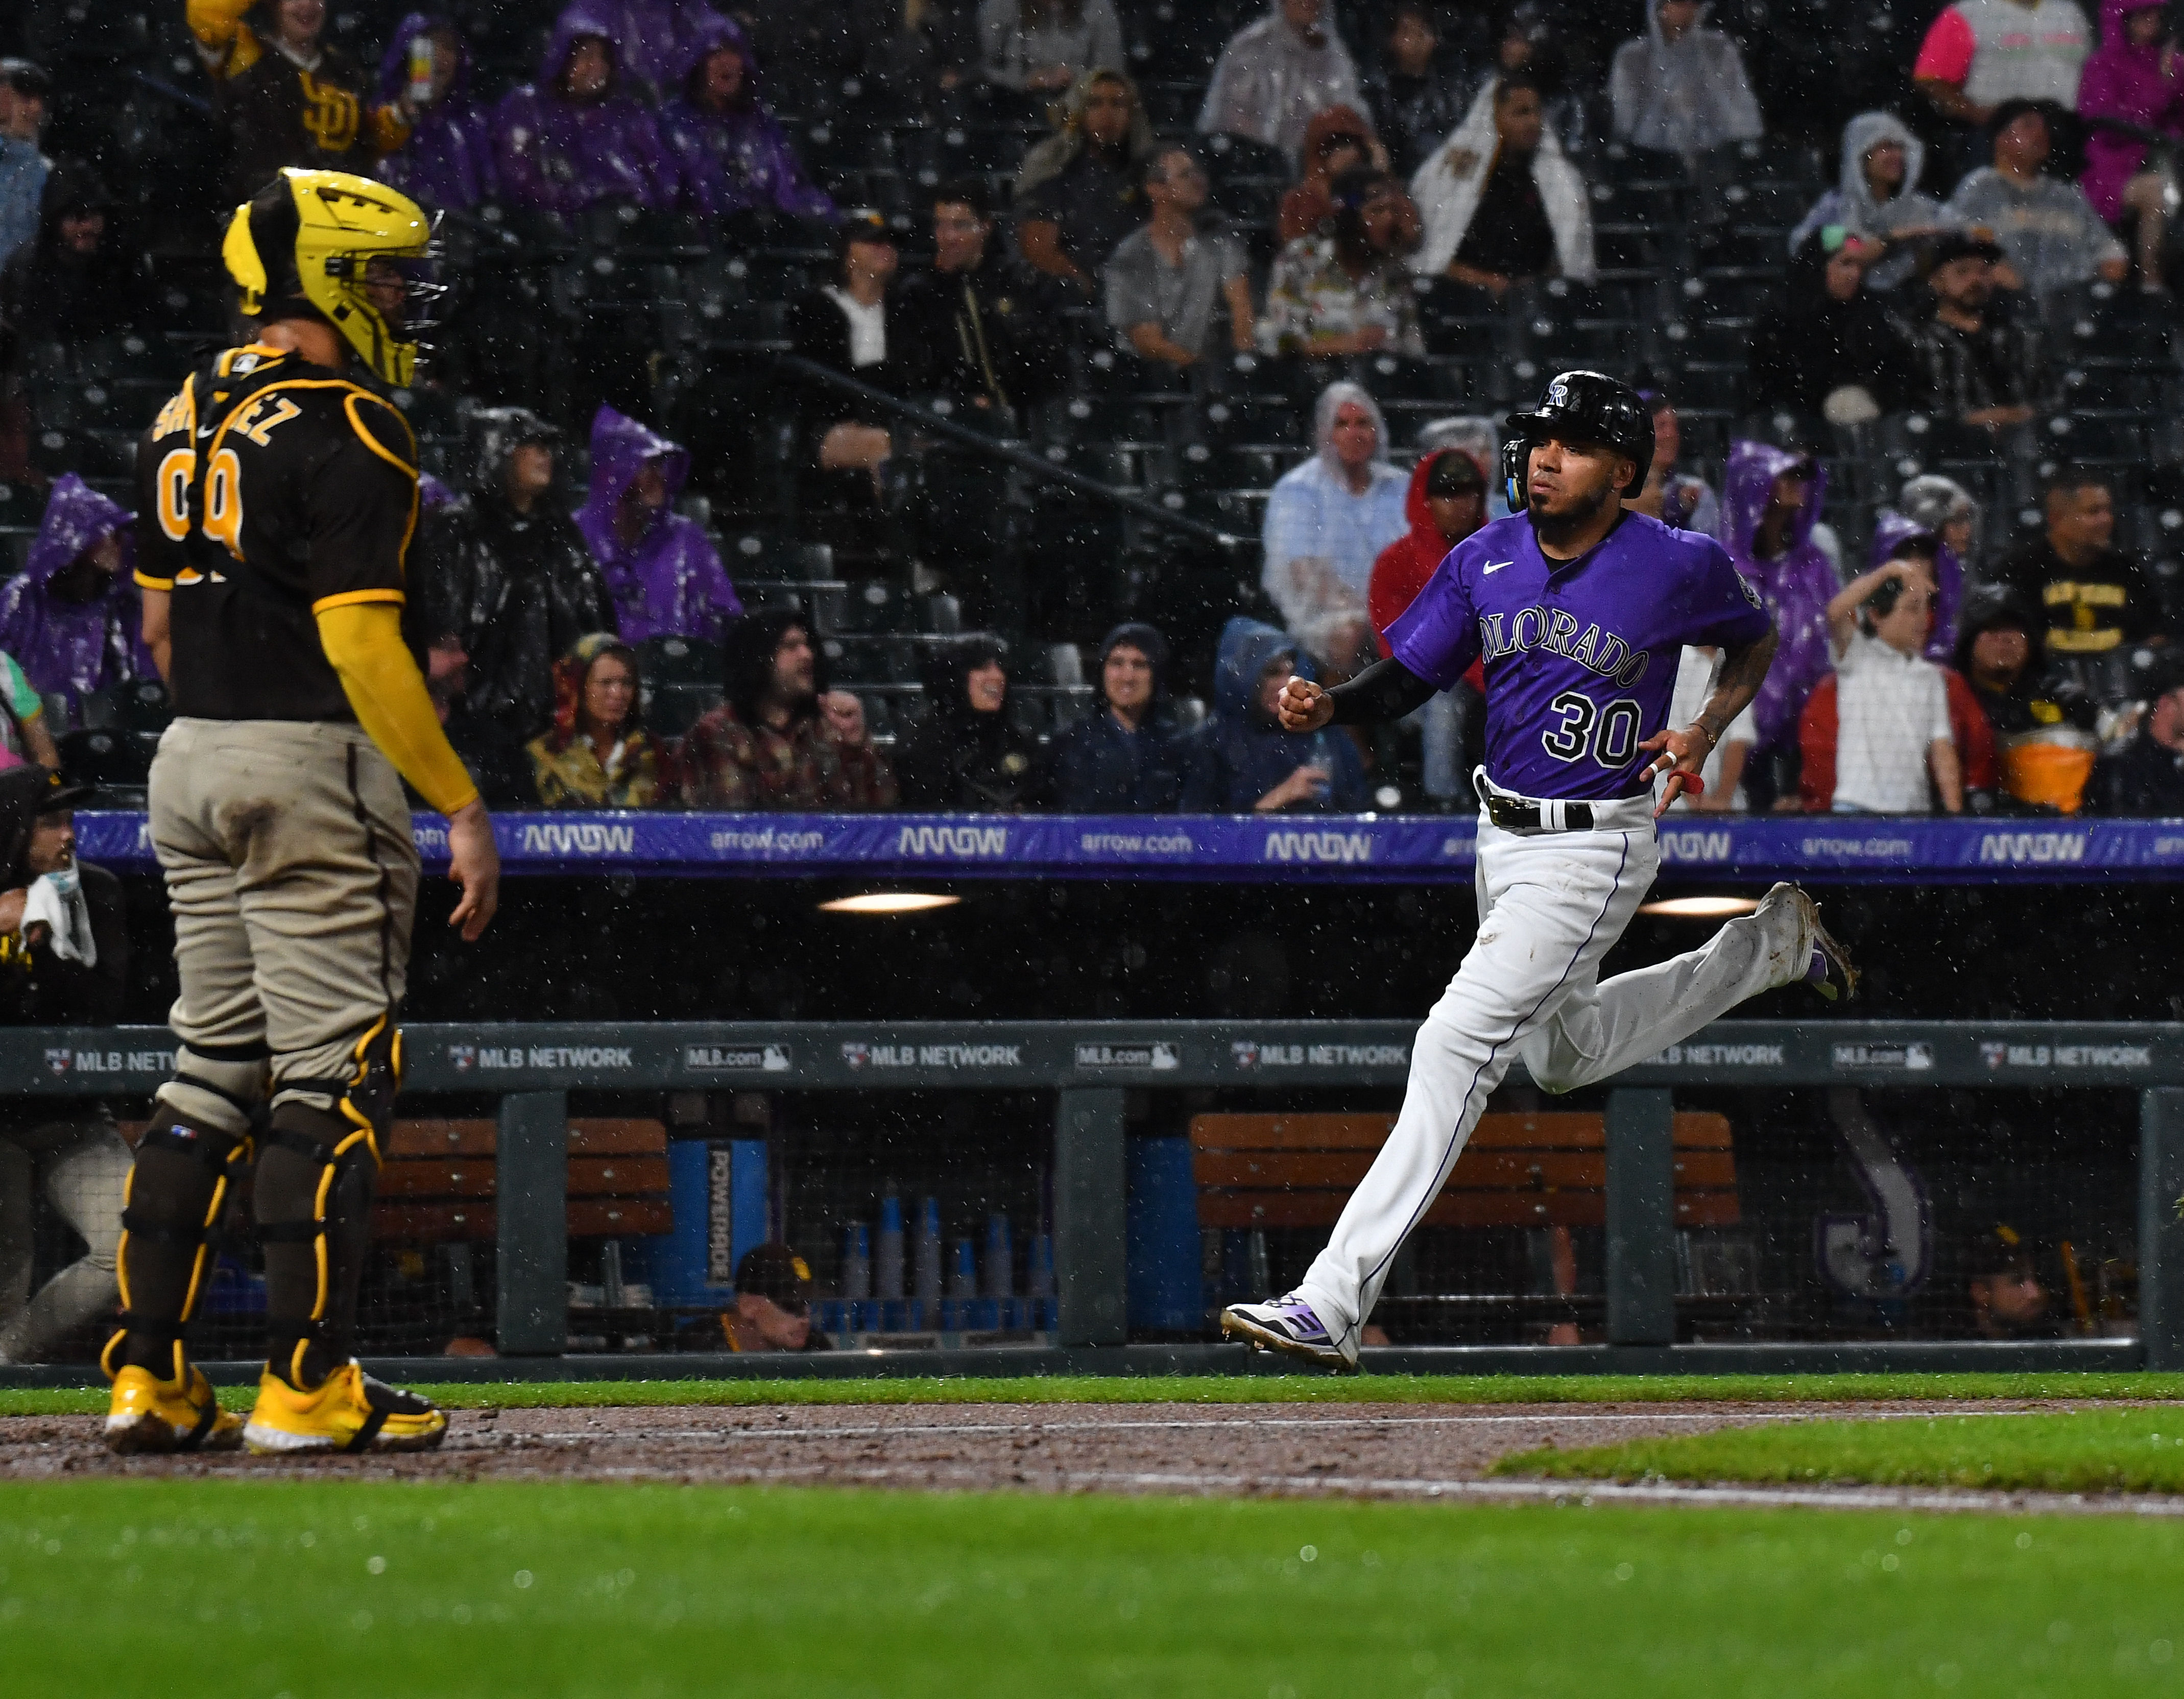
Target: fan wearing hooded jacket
column 1877, row 197
column 1246, row 762
column 2137, row 77
column 575, row 137
column 733, row 153
column 447, row 161
column 1770, row 503
column 665, row 574
column 1128, row 755
column 519, row 585
column 1680, row 87
column 71, row 617
column 1273, row 75
column 769, row 746
column 963, row 752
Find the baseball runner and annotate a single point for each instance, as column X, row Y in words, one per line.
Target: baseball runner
column 1580, row 610
column 283, row 484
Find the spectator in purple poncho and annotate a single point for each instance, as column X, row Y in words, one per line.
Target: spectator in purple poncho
column 734, row 157
column 1894, row 537
column 666, row 578
column 71, row 618
column 574, row 137
column 2138, row 76
column 1770, row 501
column 448, row 160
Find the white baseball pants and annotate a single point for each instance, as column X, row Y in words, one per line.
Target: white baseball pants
column 1550, row 906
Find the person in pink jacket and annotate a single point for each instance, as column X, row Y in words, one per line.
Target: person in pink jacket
column 2138, row 76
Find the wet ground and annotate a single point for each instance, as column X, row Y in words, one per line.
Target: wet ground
column 1373, row 1450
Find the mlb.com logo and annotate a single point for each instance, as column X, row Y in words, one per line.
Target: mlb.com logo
column 953, row 843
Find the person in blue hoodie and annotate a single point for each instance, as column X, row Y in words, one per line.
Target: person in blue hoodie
column 1246, row 763
column 1128, row 755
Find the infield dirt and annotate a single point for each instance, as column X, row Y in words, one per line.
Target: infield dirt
column 1397, row 1451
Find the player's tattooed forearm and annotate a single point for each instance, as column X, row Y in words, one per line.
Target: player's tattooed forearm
column 1736, row 682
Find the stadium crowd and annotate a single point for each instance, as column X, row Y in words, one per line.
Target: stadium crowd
column 737, row 507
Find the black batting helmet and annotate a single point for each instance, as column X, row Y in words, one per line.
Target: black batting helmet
column 1586, row 407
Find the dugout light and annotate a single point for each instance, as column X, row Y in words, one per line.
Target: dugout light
column 1699, row 908
column 889, row 903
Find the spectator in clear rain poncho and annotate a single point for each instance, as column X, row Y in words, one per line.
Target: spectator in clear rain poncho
column 1273, row 75
column 1946, row 508
column 1327, row 522
column 519, row 584
column 1877, row 197
column 71, row 618
column 666, row 577
column 1770, row 503
column 1501, row 202
column 2049, row 233
column 447, row 161
column 1680, row 87
column 734, row 155
column 1041, row 46
column 576, row 138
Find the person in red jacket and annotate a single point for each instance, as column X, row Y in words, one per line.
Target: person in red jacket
column 1447, row 502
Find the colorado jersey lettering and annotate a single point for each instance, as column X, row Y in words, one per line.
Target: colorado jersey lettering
column 280, row 488
column 1580, row 655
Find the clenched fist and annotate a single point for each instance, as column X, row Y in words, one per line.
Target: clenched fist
column 1304, row 707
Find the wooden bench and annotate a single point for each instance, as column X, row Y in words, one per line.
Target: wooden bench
column 439, row 1180
column 1527, row 1169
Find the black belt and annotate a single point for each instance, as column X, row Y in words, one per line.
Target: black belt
column 1512, row 814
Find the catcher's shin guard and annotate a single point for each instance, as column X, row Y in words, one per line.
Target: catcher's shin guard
column 315, row 1183
column 177, row 1189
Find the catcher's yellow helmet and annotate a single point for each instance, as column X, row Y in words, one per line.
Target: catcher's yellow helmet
column 339, row 248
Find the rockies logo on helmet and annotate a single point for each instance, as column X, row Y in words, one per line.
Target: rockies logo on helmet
column 1581, row 407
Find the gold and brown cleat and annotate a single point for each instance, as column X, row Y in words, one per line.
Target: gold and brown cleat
column 349, row 1411
column 151, row 1415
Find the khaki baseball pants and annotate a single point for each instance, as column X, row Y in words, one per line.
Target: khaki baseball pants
column 292, row 876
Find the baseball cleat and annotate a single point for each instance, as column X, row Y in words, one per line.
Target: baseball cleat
column 347, row 1412
column 1288, row 1325
column 1829, row 971
column 151, row 1415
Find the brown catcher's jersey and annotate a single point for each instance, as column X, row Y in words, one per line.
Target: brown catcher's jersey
column 273, row 488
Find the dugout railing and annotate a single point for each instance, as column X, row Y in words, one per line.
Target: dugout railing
column 1088, row 1068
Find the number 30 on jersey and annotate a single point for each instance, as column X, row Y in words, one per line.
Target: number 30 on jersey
column 1609, row 734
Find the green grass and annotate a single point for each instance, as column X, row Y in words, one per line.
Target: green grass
column 2092, row 1450
column 263, row 1588
column 1244, row 1389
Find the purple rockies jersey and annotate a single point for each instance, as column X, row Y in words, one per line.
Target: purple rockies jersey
column 1580, row 658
